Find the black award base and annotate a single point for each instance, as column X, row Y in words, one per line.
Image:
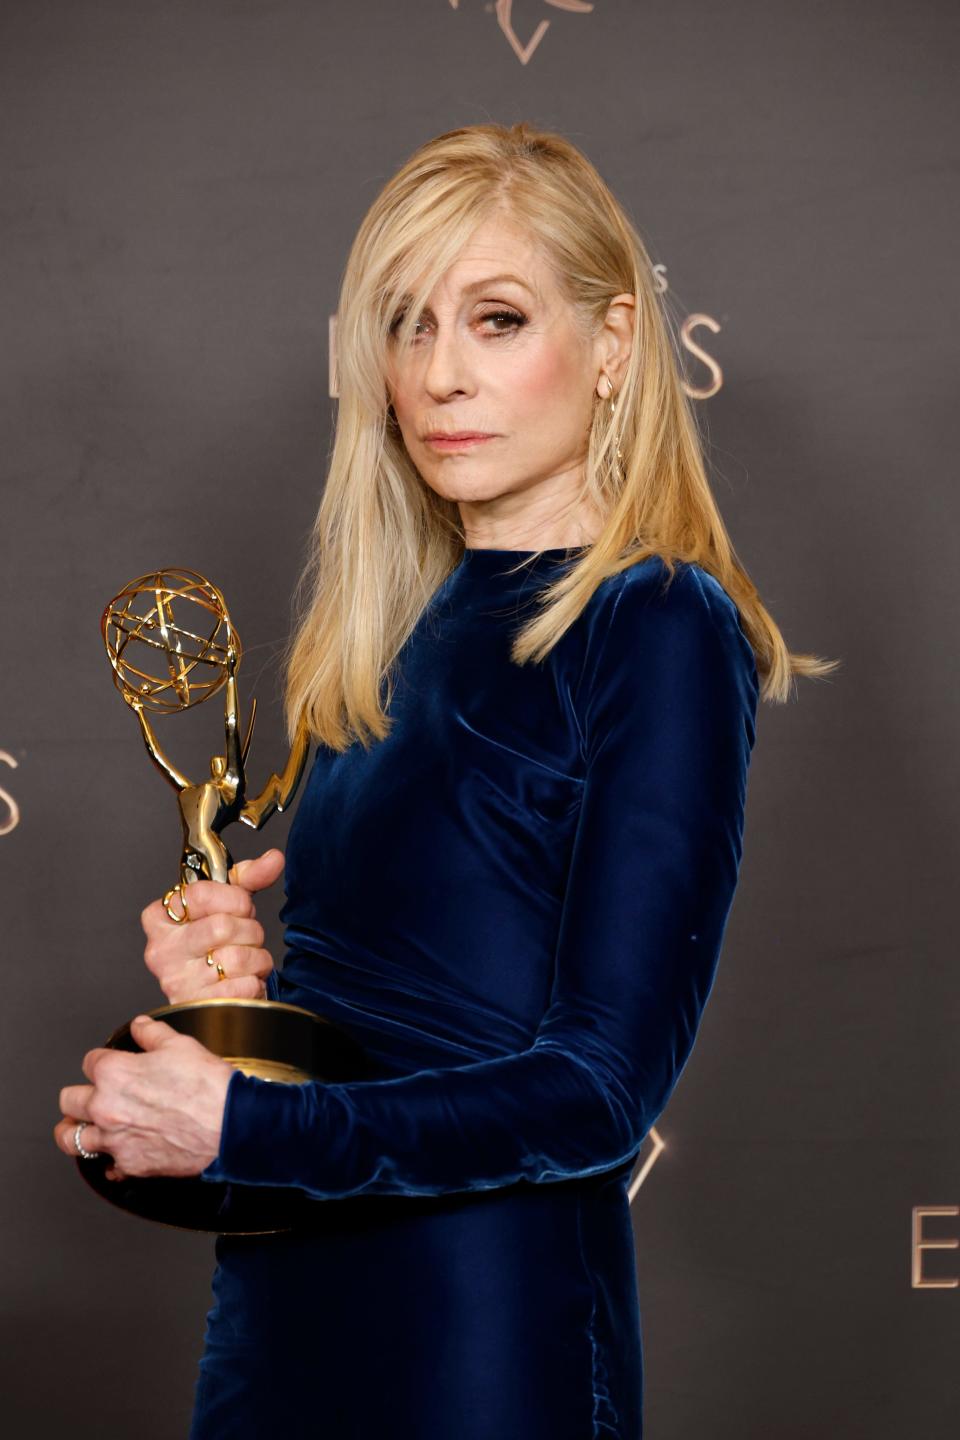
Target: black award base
column 265, row 1038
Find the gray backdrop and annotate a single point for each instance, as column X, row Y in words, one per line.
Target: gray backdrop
column 180, row 185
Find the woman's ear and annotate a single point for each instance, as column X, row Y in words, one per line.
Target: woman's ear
column 616, row 336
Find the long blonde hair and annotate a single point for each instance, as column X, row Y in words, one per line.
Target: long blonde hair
column 384, row 541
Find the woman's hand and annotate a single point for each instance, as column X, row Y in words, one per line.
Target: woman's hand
column 223, row 924
column 158, row 1113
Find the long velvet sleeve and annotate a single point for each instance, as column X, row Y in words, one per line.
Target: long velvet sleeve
column 667, row 713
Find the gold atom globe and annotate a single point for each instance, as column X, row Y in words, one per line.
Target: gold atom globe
column 167, row 635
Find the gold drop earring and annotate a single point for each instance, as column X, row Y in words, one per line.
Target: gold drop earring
column 608, row 394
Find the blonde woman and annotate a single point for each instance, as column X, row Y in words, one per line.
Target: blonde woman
column 531, row 662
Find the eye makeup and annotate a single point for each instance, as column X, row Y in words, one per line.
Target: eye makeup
column 513, row 320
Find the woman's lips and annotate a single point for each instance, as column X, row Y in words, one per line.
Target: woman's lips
column 457, row 442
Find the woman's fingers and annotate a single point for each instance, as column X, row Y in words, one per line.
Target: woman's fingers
column 241, row 960
column 206, row 897
column 89, row 1063
column 240, row 987
column 158, row 1112
column 245, row 969
column 209, row 897
column 244, row 974
column 260, row 872
column 75, row 1101
column 65, row 1130
column 222, row 929
column 214, row 931
column 63, row 1133
column 173, row 957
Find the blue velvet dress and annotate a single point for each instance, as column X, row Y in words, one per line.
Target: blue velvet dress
column 515, row 903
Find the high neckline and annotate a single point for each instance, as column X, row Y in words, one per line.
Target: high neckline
column 480, row 555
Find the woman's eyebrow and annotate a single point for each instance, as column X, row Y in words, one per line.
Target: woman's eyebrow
column 495, row 280
column 483, row 284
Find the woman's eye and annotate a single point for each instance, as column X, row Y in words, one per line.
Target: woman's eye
column 510, row 319
column 417, row 329
column 513, row 320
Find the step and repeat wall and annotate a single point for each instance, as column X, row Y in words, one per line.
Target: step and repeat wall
column 180, row 186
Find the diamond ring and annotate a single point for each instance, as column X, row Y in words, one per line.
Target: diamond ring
column 78, row 1144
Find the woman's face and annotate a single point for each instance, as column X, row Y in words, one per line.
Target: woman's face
column 500, row 357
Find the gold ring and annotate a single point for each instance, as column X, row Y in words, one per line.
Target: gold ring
column 221, row 973
column 177, row 890
column 210, row 960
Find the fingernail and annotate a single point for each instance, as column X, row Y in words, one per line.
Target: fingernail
column 138, row 1019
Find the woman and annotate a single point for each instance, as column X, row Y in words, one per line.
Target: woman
column 531, row 662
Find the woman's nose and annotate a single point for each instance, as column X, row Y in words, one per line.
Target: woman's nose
column 448, row 366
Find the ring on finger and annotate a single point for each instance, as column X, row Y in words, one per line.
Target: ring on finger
column 221, row 973
column 78, row 1143
column 210, row 960
column 176, row 890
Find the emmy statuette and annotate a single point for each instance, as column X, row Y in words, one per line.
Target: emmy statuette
column 171, row 645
